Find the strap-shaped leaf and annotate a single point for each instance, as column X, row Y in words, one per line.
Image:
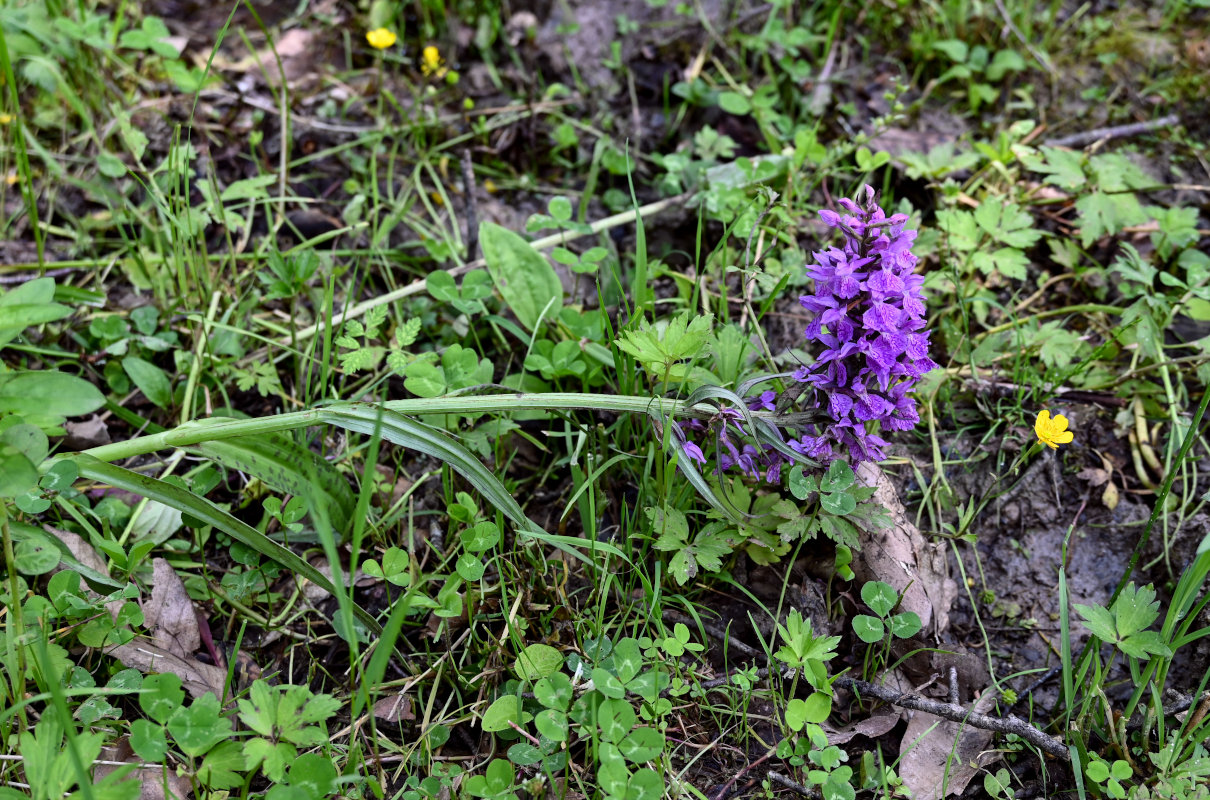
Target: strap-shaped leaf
column 406, row 432
column 202, row 509
column 280, row 462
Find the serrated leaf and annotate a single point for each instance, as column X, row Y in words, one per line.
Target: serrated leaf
column 1104, row 214
column 961, row 230
column 1006, row 223
column 1135, row 609
column 1114, row 172
column 1099, row 621
column 406, row 333
column 1009, row 262
column 1063, row 168
column 660, row 346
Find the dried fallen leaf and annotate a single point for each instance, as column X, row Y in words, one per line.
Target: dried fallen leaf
column 88, row 557
column 900, row 556
column 395, row 709
column 1094, row 475
column 197, row 677
column 89, row 433
column 938, row 757
column 169, row 615
column 871, row 727
column 173, row 633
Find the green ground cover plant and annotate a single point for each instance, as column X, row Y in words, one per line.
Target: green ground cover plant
column 631, row 401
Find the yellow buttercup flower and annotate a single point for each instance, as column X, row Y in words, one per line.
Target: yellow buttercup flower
column 431, row 62
column 5, row 119
column 1052, row 432
column 381, row 38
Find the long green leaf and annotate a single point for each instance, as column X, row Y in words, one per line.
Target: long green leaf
column 394, row 427
column 288, row 467
column 204, row 510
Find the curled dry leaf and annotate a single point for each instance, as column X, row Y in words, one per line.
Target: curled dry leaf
column 870, row 727
column 88, row 557
column 91, row 432
column 169, row 615
column 900, row 556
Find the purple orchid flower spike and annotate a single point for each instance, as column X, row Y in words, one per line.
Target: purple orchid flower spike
column 867, row 323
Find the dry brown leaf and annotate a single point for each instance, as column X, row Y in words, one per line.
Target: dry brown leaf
column 314, row 593
column 169, row 615
column 197, row 677
column 81, row 549
column 900, row 556
column 1094, row 475
column 938, row 757
column 89, row 433
column 86, row 555
column 395, row 709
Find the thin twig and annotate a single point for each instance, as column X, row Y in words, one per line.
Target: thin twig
column 956, row 713
column 472, row 221
column 805, row 791
column 723, row 791
column 31, row 275
column 1113, row 132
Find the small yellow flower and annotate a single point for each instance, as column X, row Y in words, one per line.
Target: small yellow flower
column 5, row 119
column 1052, row 432
column 431, row 62
column 381, row 38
